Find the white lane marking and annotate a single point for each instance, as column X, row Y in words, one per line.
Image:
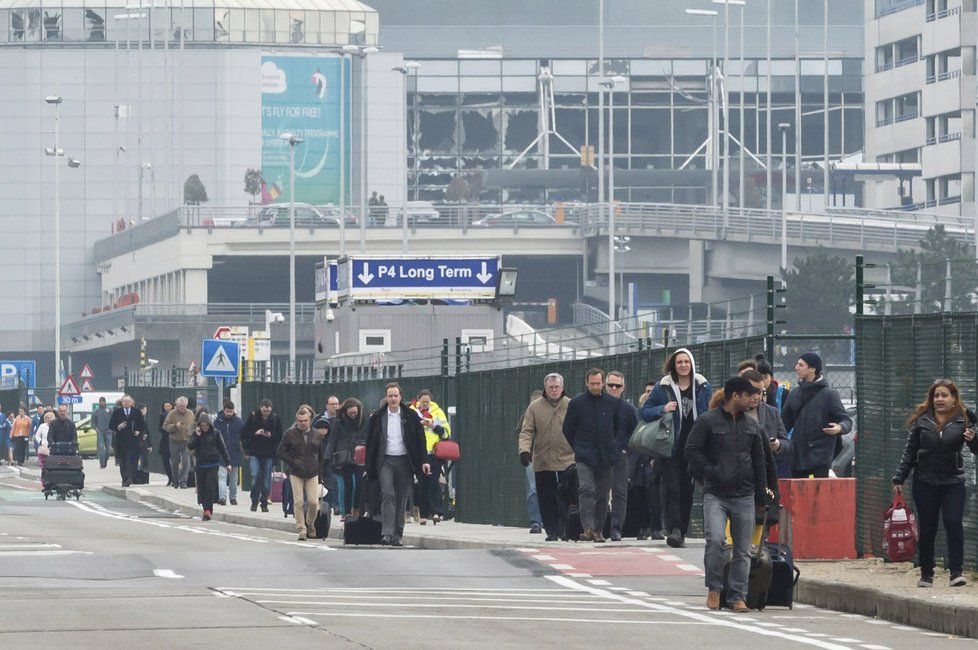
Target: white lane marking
column 533, row 619
column 308, row 599
column 652, row 550
column 562, row 567
column 567, row 582
column 166, row 573
column 818, row 635
column 446, row 590
column 544, row 557
column 12, row 547
column 4, row 554
column 600, row 583
column 796, row 630
column 579, row 575
column 528, row 550
column 870, row 646
column 768, row 624
column 304, row 621
column 845, row 639
column 671, row 558
column 688, row 567
column 618, row 588
column 421, row 605
column 101, row 511
column 640, row 594
column 676, row 603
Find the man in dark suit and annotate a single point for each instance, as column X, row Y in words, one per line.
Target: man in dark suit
column 129, row 427
column 396, row 452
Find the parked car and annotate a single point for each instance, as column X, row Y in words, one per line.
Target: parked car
column 422, row 212
column 519, row 218
column 87, row 438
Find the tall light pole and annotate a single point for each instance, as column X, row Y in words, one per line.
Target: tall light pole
column 342, row 197
column 784, row 126
column 362, row 53
column 743, row 89
column 712, row 103
column 770, row 131
column 57, row 152
column 405, row 70
column 601, row 108
column 292, row 142
column 609, row 85
column 798, row 121
column 726, row 107
column 825, row 105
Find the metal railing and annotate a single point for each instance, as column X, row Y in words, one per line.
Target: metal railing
column 898, row 7
column 251, row 312
column 943, row 13
column 907, row 116
column 943, row 76
column 939, row 139
column 907, row 61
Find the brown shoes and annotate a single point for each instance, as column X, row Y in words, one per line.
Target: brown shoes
column 592, row 536
column 713, row 600
column 739, row 607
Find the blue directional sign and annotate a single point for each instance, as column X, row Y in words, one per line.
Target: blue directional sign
column 219, row 358
column 422, row 277
column 70, row 399
column 14, row 372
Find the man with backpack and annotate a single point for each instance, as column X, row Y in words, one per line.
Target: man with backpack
column 726, row 456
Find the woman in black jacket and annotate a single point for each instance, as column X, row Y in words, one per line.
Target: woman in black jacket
column 346, row 433
column 939, row 428
column 210, row 451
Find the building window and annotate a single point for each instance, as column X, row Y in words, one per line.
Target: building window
column 375, row 341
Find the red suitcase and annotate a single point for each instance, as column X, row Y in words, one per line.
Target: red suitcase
column 278, row 479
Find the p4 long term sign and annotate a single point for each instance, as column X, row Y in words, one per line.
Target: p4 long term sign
column 432, row 278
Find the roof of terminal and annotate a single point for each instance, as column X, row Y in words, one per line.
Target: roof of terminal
column 312, row 5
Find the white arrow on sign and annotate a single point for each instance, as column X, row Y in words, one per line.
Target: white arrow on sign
column 366, row 276
column 485, row 276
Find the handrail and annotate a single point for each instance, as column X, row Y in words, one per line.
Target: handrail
column 897, row 8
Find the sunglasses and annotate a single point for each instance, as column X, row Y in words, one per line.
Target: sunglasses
column 616, row 385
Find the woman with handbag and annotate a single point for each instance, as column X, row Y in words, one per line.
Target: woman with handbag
column 436, row 429
column 939, row 427
column 346, row 433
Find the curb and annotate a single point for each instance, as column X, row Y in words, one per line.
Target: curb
column 940, row 617
column 425, row 542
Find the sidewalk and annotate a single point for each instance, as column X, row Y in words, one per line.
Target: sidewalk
column 868, row 587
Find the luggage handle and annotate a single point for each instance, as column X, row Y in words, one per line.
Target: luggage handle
column 797, row 575
column 764, row 533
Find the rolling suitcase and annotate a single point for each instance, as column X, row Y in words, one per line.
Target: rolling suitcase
column 362, row 530
column 279, row 479
column 322, row 521
column 760, row 575
column 784, row 576
column 63, row 470
column 287, row 498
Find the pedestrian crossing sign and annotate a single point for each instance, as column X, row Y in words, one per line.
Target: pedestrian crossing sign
column 219, row 358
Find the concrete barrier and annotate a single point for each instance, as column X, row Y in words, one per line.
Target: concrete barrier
column 820, row 522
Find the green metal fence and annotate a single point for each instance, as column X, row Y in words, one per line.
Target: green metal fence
column 488, row 405
column 899, row 357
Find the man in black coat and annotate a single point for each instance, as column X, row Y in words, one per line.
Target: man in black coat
column 593, row 427
column 62, row 436
column 129, row 427
column 818, row 418
column 396, row 452
column 622, row 467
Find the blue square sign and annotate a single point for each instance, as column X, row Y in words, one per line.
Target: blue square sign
column 219, row 358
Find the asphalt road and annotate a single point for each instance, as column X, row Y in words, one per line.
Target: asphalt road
column 106, row 573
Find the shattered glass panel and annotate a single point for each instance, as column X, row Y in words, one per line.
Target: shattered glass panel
column 520, row 128
column 430, row 99
column 569, row 99
column 527, row 162
column 480, row 162
column 434, row 179
column 480, row 131
column 570, row 124
column 520, row 99
column 651, row 131
column 439, row 163
column 485, row 100
column 437, row 130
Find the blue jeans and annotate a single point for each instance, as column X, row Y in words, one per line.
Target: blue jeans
column 104, row 441
column 532, row 504
column 226, row 480
column 716, row 511
column 261, row 478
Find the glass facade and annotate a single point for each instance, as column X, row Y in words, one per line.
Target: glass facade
column 114, row 22
column 467, row 115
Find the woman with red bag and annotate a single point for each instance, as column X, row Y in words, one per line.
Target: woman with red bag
column 346, row 433
column 436, row 429
column 939, row 427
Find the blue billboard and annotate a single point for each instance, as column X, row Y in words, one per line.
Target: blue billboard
column 301, row 95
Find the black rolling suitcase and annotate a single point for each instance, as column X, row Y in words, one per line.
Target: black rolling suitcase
column 362, row 530
column 64, row 471
column 760, row 575
column 322, row 520
column 784, row 576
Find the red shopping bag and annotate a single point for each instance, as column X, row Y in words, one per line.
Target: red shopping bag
column 447, row 450
column 900, row 531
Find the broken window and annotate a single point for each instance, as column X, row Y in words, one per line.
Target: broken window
column 651, row 131
column 690, row 129
column 437, row 131
column 521, row 127
column 480, row 131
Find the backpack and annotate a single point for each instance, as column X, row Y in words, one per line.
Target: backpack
column 900, row 533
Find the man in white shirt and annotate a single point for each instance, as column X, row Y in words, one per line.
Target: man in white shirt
column 395, row 454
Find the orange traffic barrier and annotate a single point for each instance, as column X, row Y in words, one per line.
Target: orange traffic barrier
column 819, row 518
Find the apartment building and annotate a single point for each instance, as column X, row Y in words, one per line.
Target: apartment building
column 920, row 102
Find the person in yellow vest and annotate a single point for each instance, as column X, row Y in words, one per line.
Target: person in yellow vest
column 436, row 428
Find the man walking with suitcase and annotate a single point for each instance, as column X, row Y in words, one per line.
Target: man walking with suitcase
column 726, row 456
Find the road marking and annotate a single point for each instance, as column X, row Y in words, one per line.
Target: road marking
column 421, row 605
column 579, row 575
column 420, row 590
column 671, row 558
column 4, row 547
column 528, row 550
column 651, row 549
column 870, row 646
column 562, row 567
column 688, row 567
column 373, row 597
column 4, row 554
column 600, row 583
column 796, row 630
column 166, row 573
column 845, row 639
column 544, row 557
column 613, row 621
column 695, row 616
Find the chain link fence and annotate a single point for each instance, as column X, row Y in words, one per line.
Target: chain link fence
column 899, row 358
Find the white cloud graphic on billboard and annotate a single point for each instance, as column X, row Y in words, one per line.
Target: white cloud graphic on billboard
column 273, row 78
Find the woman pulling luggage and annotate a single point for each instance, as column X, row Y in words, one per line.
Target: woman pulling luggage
column 346, row 433
column 939, row 427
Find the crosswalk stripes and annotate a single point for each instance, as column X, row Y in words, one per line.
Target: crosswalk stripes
column 35, row 549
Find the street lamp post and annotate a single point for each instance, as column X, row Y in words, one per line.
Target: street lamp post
column 57, row 152
column 609, row 85
column 784, row 126
column 292, row 141
column 362, row 53
column 726, row 107
column 712, row 103
column 405, row 70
